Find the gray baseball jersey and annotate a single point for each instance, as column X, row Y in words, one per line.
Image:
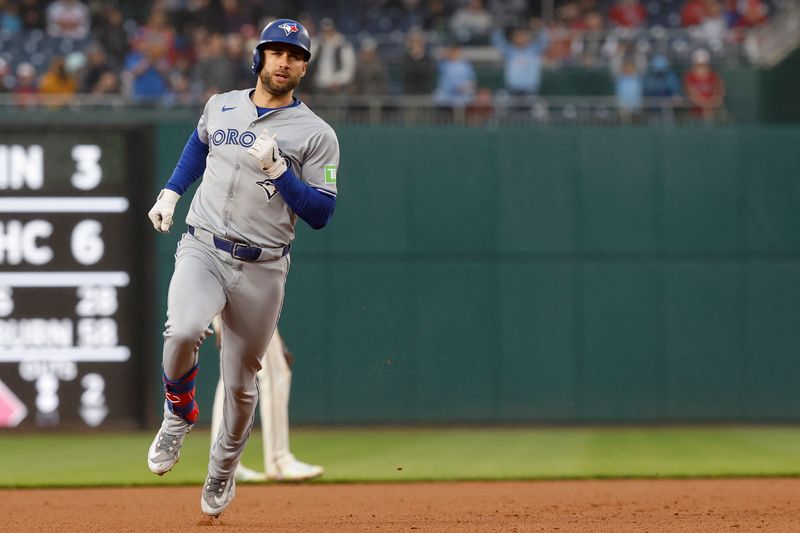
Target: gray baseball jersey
column 235, row 199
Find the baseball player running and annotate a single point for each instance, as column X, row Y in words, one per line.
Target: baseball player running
column 275, row 380
column 265, row 159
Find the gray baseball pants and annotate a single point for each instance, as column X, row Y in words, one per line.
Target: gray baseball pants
column 249, row 297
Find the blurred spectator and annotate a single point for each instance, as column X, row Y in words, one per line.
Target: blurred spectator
column 235, row 15
column 31, row 14
column 311, row 72
column 335, row 59
column 569, row 13
column 240, row 59
column 560, row 33
column 522, row 59
column 714, row 17
column 111, row 35
column 10, row 22
column 407, row 14
column 588, row 20
column 588, row 38
column 588, row 6
column 418, row 67
column 746, row 13
column 198, row 37
column 308, row 23
column 213, row 72
column 279, row 9
column 628, row 87
column 177, row 13
column 436, row 18
column 94, row 79
column 206, row 14
column 456, row 83
column 146, row 72
column 481, row 109
column 692, row 13
column 371, row 75
column 703, row 87
column 57, row 84
column 628, row 14
column 26, row 90
column 158, row 33
column 714, row 25
column 660, row 81
column 471, row 24
column 509, row 12
column 180, row 90
column 68, row 18
column 6, row 79
column 108, row 83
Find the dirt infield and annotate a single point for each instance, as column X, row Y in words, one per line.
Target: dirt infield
column 563, row 506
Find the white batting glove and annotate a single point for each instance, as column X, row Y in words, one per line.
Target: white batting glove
column 269, row 157
column 161, row 213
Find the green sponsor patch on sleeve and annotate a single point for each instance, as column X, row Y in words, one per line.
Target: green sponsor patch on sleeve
column 330, row 173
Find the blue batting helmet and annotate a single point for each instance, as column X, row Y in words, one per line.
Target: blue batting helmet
column 281, row 31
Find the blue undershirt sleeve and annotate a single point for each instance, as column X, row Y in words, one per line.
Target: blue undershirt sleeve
column 310, row 204
column 191, row 165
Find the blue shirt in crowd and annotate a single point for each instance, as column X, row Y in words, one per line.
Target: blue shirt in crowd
column 456, row 83
column 523, row 64
column 150, row 85
column 629, row 91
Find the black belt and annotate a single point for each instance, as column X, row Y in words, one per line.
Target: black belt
column 238, row 250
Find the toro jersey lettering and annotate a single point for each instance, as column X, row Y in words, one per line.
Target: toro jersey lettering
column 235, row 199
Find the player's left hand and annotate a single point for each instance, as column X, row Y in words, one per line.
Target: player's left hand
column 265, row 150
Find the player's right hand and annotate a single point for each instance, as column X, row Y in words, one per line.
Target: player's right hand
column 265, row 150
column 161, row 213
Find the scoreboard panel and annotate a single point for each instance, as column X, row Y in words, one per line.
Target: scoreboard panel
column 71, row 275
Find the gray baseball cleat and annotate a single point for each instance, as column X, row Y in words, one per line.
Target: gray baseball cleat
column 216, row 495
column 164, row 452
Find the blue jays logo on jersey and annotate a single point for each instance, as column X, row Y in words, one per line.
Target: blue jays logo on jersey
column 269, row 188
column 289, row 28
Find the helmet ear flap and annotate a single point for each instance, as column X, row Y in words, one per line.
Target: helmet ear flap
column 257, row 61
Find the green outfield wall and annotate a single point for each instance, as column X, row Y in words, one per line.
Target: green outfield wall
column 595, row 275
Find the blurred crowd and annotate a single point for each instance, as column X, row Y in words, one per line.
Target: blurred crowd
column 181, row 51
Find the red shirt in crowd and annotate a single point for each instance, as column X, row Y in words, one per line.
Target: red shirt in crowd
column 628, row 14
column 703, row 89
column 748, row 12
column 692, row 13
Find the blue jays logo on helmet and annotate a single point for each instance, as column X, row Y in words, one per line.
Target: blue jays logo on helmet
column 285, row 31
column 288, row 28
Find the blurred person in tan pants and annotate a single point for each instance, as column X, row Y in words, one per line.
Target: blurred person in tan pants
column 274, row 380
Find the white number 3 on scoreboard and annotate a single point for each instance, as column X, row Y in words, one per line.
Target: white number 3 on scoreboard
column 88, row 173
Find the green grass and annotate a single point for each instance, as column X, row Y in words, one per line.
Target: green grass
column 86, row 459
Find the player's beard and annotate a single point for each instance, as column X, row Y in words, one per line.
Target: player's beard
column 278, row 90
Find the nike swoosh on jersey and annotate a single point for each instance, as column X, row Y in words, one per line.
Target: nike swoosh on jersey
column 227, row 108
